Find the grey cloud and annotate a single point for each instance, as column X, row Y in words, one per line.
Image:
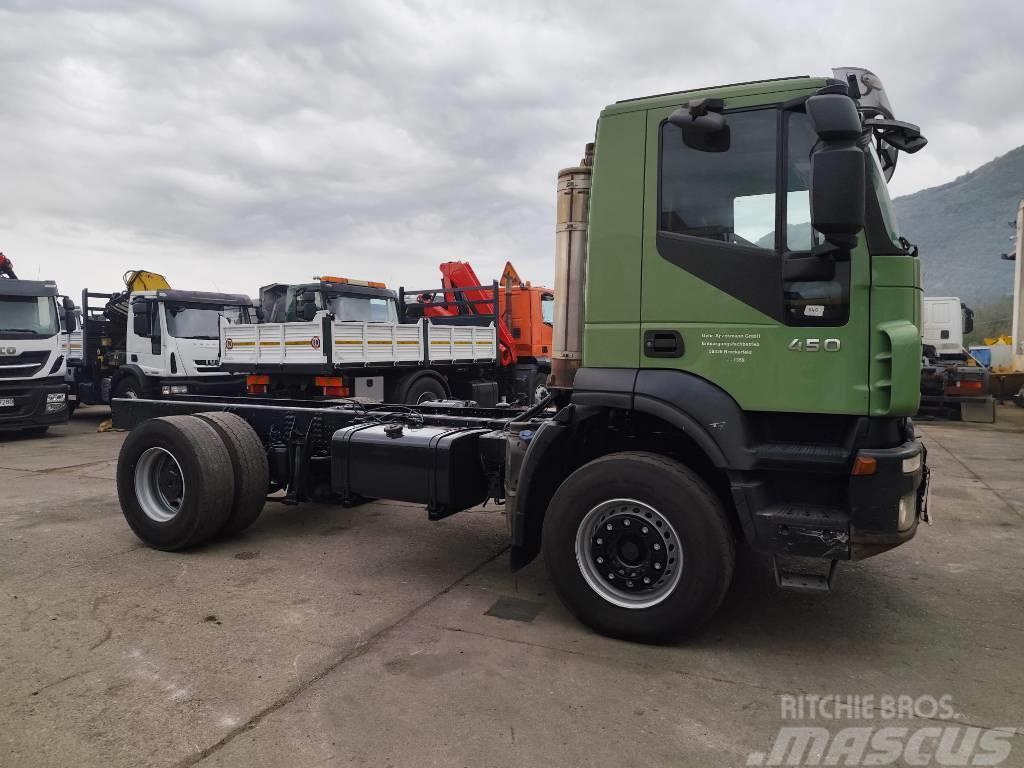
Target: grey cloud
column 256, row 141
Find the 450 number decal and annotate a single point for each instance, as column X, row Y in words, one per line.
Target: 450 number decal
column 815, row 345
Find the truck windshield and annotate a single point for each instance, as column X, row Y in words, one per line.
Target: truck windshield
column 878, row 183
column 201, row 321
column 363, row 309
column 27, row 316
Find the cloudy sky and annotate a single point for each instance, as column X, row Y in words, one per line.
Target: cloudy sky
column 233, row 143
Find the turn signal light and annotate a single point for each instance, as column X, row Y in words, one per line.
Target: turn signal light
column 864, row 465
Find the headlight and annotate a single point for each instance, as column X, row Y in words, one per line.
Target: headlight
column 56, row 397
column 912, row 464
column 54, row 407
column 907, row 511
column 174, row 389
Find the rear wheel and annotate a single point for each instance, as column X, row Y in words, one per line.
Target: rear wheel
column 638, row 547
column 175, row 482
column 251, row 470
column 422, row 389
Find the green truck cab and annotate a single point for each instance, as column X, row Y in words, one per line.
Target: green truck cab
column 750, row 315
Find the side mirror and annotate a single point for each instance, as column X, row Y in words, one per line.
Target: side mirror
column 703, row 125
column 70, row 319
column 968, row 318
column 837, row 169
column 259, row 314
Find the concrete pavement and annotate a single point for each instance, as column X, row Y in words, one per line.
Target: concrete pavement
column 369, row 636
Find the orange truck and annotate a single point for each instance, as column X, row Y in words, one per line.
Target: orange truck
column 525, row 319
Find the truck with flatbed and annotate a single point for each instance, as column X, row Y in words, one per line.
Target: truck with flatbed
column 33, row 356
column 150, row 340
column 341, row 337
column 736, row 361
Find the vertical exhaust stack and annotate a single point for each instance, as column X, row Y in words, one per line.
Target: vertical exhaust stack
column 570, row 269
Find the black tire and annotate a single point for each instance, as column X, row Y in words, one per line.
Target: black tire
column 72, row 407
column 251, row 469
column 36, row 430
column 207, row 481
column 128, row 387
column 628, row 486
column 422, row 389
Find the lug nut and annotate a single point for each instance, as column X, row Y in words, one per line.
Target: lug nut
column 657, row 566
column 647, row 580
column 625, row 523
column 644, row 529
column 599, row 542
column 657, row 547
column 600, row 560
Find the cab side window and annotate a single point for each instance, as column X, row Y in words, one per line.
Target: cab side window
column 724, row 196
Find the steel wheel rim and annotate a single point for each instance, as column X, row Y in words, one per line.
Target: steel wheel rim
column 159, row 485
column 629, row 553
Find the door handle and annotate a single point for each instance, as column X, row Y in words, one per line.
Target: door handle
column 663, row 344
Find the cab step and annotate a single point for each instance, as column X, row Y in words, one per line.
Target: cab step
column 804, row 574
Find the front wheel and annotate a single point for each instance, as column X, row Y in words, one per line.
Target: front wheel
column 127, row 388
column 638, row 547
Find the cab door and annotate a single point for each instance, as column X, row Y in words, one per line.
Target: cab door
column 145, row 335
column 732, row 289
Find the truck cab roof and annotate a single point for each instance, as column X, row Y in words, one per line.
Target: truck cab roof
column 198, row 297
column 28, row 288
column 341, row 289
column 782, row 88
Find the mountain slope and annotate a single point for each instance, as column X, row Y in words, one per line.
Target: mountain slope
column 961, row 228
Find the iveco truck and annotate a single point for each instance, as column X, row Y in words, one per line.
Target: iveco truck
column 156, row 342
column 737, row 355
column 33, row 355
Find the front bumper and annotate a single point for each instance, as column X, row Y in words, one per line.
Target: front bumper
column 875, row 500
column 30, row 401
column 212, row 386
column 879, row 510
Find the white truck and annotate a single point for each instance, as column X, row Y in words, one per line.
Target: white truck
column 153, row 343
column 952, row 384
column 33, row 355
column 944, row 321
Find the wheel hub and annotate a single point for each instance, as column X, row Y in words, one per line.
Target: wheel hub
column 159, row 485
column 628, row 552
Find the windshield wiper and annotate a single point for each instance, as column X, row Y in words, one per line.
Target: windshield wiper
column 22, row 330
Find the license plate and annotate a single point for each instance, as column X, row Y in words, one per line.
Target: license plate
column 6, row 402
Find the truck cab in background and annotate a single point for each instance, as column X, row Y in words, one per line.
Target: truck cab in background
column 944, row 321
column 953, row 384
column 154, row 343
column 33, row 355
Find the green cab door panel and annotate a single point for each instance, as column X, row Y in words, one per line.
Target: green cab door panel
column 611, row 335
column 724, row 295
